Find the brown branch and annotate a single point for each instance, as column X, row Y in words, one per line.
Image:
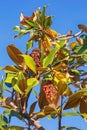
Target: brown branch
column 60, row 115
column 32, row 121
column 67, row 37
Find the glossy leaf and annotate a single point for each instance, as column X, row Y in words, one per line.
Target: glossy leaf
column 74, row 99
column 30, row 84
column 83, row 106
column 49, row 59
column 14, row 53
column 11, row 69
column 17, row 89
column 30, row 62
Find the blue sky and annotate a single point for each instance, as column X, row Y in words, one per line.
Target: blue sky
column 67, row 15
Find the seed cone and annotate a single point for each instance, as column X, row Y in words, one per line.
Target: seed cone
column 36, row 54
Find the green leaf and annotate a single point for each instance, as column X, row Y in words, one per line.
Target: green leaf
column 17, row 28
column 70, row 114
column 3, row 120
column 49, row 59
column 30, row 84
column 29, row 45
column 7, row 112
column 30, row 62
column 75, row 71
column 31, row 23
column 9, row 78
column 17, row 89
column 15, row 128
column 42, row 15
column 85, row 57
column 48, row 22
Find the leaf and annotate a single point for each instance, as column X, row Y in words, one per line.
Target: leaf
column 42, row 101
column 48, row 22
column 49, row 59
column 39, row 115
column 8, row 80
column 85, row 57
column 17, row 89
column 83, row 106
column 3, row 120
column 42, row 15
column 29, row 45
column 61, row 87
column 15, row 128
column 49, row 110
column 32, row 107
column 73, row 45
column 14, row 53
column 82, row 27
column 30, row 62
column 30, row 84
column 51, row 34
column 11, row 69
column 17, row 28
column 73, row 100
column 70, row 114
column 22, row 85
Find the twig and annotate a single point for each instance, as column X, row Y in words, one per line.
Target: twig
column 60, row 115
column 66, row 37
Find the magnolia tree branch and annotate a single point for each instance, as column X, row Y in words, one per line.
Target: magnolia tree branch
column 67, row 37
column 32, row 121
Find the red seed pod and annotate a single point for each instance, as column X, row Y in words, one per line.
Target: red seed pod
column 49, row 89
column 36, row 54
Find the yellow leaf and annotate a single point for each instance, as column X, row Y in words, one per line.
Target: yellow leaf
column 47, row 43
column 60, row 75
column 51, row 34
column 72, row 45
column 60, row 67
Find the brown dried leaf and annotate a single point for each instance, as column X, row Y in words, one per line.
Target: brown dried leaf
column 83, row 106
column 11, row 68
column 23, row 85
column 73, row 100
column 82, row 27
column 32, row 107
column 42, row 99
column 14, row 53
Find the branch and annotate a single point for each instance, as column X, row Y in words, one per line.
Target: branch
column 32, row 121
column 67, row 37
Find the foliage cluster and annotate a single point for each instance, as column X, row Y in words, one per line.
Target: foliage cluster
column 55, row 72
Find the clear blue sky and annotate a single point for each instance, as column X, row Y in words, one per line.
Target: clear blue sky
column 67, row 15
